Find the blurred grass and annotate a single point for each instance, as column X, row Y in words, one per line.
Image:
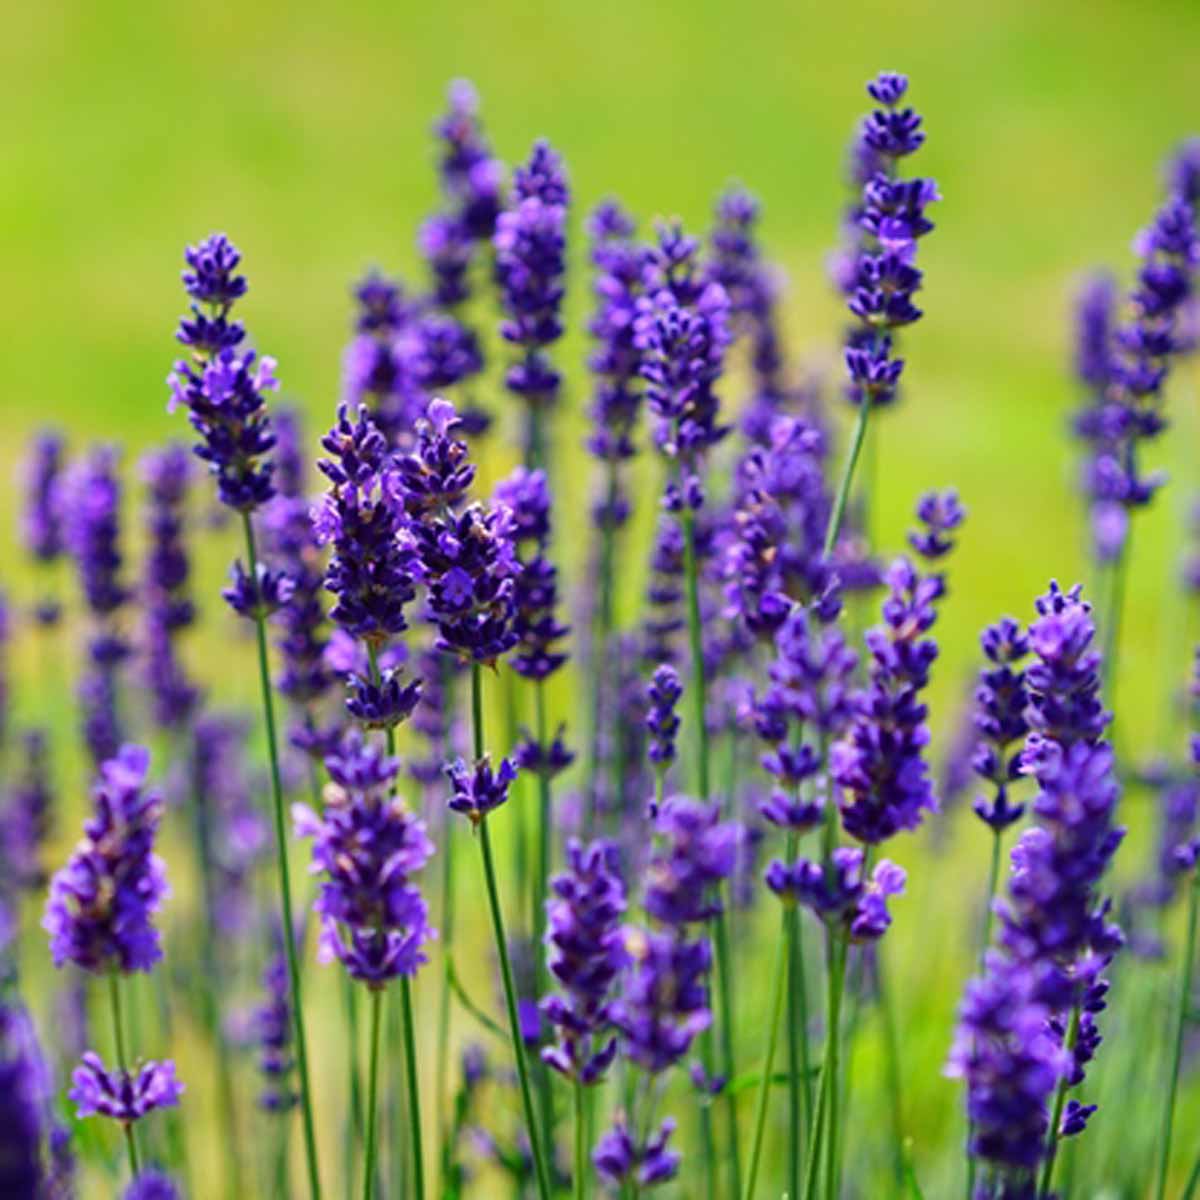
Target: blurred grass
column 304, row 131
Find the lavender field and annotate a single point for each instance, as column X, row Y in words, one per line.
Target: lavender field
column 615, row 621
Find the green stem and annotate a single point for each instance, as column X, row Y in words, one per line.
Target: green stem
column 1193, row 1184
column 891, row 1064
column 285, row 886
column 541, row 882
column 721, row 941
column 764, row 1087
column 443, row 1031
column 843, row 493
column 833, row 1043
column 800, row 1105
column 1060, row 1100
column 118, row 1023
column 355, row 1081
column 410, row 1051
column 984, row 940
column 368, row 1188
column 579, row 1173
column 510, row 992
column 1115, row 603
column 1181, row 1016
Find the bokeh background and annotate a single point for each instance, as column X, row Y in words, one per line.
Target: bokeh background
column 304, row 131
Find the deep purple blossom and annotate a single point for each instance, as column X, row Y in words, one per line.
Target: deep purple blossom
column 662, row 721
column 42, row 518
column 998, row 719
column 478, row 790
column 101, row 903
column 619, row 263
column 619, row 1159
column 530, row 266
column 261, row 596
column 91, row 514
column 1010, row 1061
column 151, row 1185
column 837, row 892
column 371, row 573
column 526, row 495
column 882, row 280
column 27, row 817
column 682, row 331
column 126, row 1096
column 222, row 387
column 25, row 1094
column 549, row 760
column 273, row 1033
column 941, row 513
column 880, row 763
column 367, row 846
column 471, row 176
column 697, row 851
column 663, row 1003
column 585, row 952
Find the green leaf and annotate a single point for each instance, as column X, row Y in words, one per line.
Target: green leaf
column 752, row 1079
column 911, row 1185
column 457, row 988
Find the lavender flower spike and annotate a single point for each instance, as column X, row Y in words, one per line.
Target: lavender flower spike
column 125, row 1096
column 101, row 903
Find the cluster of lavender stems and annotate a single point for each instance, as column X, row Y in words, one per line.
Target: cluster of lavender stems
column 399, row 584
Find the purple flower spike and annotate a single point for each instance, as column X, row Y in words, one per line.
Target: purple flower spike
column 618, row 1159
column 662, row 721
column 941, row 513
column 471, row 176
column 125, row 1096
column 999, row 720
column 261, row 596
column 585, row 952
column 837, row 893
column 273, row 1032
column 152, row 1185
column 479, row 790
column 368, row 845
column 99, row 911
column 25, row 1098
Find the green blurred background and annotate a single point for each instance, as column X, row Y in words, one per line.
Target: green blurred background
column 304, row 131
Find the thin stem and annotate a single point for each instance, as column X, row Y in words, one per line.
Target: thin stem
column 721, row 940
column 285, row 886
column 833, row 1040
column 843, row 493
column 406, row 1008
column 1115, row 603
column 579, row 1172
column 443, row 1030
column 118, row 1023
column 1181, row 1016
column 891, row 1063
column 368, row 1188
column 541, row 881
column 764, row 1086
column 414, row 1089
column 510, row 992
column 799, row 1068
column 1060, row 1100
column 356, row 1108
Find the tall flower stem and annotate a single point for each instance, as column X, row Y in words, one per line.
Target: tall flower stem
column 768, row 1067
column 799, row 1066
column 891, row 1063
column 406, row 1012
column 202, row 834
column 601, row 633
column 843, row 493
column 285, row 885
column 837, row 981
column 541, row 880
column 579, row 1170
column 368, row 1188
column 1114, row 607
column 827, row 1096
column 1181, row 1016
column 1060, row 1100
column 510, row 992
column 118, row 1023
column 350, row 995
column 443, row 1029
column 720, row 930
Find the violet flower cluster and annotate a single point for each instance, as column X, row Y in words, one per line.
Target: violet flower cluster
column 530, row 245
column 585, row 953
column 222, row 386
column 998, row 720
column 101, row 904
column 367, row 846
column 880, row 763
column 166, row 601
column 43, row 519
column 92, row 503
column 1124, row 365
